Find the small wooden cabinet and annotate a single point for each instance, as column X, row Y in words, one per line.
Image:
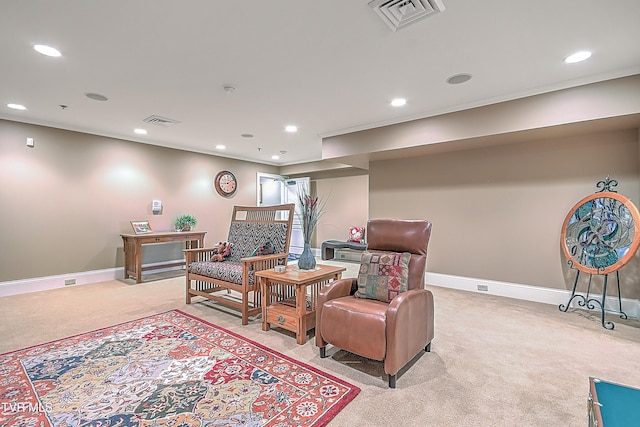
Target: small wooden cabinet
column 133, row 244
column 289, row 298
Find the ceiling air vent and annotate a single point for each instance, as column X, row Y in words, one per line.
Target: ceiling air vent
column 398, row 14
column 161, row 121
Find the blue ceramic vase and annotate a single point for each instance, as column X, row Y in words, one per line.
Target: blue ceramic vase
column 306, row 261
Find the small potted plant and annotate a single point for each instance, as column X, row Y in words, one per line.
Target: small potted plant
column 185, row 222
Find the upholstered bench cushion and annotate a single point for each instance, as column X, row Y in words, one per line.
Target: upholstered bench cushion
column 228, row 271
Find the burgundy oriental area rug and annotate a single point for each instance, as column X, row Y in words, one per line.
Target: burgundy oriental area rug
column 170, row 369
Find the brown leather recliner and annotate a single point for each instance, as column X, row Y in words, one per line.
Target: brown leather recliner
column 393, row 332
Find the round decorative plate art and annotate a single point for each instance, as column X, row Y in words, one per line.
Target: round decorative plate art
column 600, row 234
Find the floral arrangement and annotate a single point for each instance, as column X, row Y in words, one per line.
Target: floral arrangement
column 311, row 208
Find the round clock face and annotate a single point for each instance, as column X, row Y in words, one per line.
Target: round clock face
column 226, row 183
column 600, row 234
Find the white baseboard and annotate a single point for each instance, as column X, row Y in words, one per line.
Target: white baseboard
column 525, row 292
column 504, row 289
column 24, row 286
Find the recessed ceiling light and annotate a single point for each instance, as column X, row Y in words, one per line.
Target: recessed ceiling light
column 96, row 96
column 291, row 128
column 398, row 102
column 17, row 106
column 140, row 131
column 459, row 78
column 275, row 157
column 578, row 57
column 220, row 147
column 47, row 50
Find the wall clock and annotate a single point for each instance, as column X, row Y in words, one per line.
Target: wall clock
column 600, row 234
column 225, row 183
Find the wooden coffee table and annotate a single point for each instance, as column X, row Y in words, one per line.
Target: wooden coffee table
column 286, row 301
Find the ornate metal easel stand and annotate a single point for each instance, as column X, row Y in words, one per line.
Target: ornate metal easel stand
column 592, row 303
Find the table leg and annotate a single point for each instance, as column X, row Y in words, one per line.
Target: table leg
column 138, row 258
column 266, row 296
column 301, row 313
column 127, row 255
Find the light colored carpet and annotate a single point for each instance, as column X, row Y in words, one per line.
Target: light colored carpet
column 494, row 361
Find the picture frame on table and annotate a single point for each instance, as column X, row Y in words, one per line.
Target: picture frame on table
column 141, row 227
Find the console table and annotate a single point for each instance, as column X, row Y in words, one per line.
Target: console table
column 285, row 301
column 133, row 244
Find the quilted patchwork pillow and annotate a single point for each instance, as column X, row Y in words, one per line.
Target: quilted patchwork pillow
column 383, row 275
column 356, row 234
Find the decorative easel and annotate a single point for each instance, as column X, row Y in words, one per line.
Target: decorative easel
column 599, row 236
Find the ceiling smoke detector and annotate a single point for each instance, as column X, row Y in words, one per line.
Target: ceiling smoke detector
column 398, row 14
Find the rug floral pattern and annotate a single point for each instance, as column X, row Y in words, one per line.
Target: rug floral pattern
column 170, row 369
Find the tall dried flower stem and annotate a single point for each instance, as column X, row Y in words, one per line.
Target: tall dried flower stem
column 311, row 209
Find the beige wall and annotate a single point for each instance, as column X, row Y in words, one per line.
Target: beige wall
column 347, row 205
column 65, row 202
column 497, row 212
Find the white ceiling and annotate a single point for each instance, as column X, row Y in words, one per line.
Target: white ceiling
column 327, row 66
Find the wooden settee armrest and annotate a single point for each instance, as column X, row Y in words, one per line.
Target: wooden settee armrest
column 198, row 250
column 263, row 262
column 258, row 258
column 199, row 254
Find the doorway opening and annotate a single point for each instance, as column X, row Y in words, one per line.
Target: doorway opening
column 275, row 189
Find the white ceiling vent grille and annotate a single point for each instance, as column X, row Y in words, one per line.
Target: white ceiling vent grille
column 161, row 121
column 398, row 14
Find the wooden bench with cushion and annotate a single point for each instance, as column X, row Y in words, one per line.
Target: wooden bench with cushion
column 251, row 227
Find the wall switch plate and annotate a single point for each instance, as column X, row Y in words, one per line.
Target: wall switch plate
column 31, row 142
